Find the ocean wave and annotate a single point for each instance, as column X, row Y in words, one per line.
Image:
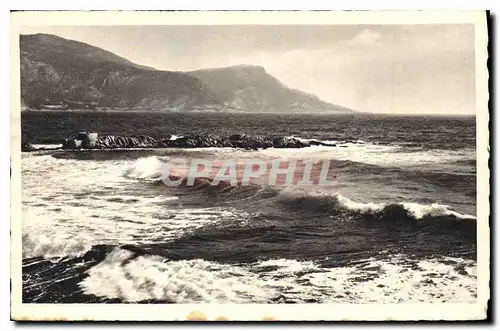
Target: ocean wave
column 415, row 210
column 328, row 141
column 54, row 246
column 141, row 278
column 47, row 146
column 125, row 276
column 150, row 167
column 338, row 202
column 118, row 221
column 381, row 155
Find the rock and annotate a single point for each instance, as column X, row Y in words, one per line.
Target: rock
column 72, row 144
column 81, row 135
column 238, row 136
column 27, row 147
column 147, row 141
column 461, row 270
column 197, row 141
column 90, row 140
column 105, row 142
column 164, row 143
column 287, row 142
column 183, row 142
column 95, row 141
column 320, row 143
column 126, row 142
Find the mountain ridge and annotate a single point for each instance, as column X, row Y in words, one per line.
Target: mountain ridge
column 60, row 72
column 241, row 85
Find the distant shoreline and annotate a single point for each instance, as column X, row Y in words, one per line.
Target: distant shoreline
column 184, row 112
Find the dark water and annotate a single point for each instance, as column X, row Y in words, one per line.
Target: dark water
column 429, row 132
column 402, row 210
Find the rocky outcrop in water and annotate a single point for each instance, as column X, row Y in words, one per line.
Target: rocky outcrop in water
column 27, row 147
column 125, row 142
column 320, row 143
column 85, row 140
column 94, row 141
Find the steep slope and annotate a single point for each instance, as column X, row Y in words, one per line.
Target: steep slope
column 57, row 71
column 54, row 69
column 251, row 88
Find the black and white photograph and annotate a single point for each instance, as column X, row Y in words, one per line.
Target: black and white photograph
column 307, row 163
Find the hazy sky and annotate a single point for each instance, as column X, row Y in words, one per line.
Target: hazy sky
column 372, row 68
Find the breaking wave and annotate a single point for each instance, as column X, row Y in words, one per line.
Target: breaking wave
column 146, row 168
column 54, row 246
column 123, row 275
column 337, row 201
column 150, row 168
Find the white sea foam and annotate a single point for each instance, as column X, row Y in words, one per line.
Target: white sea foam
column 146, row 168
column 70, row 205
column 150, row 168
column 374, row 154
column 416, row 210
column 390, row 155
column 175, row 137
column 48, row 146
column 73, row 230
column 55, row 245
column 185, row 281
column 419, row 211
column 175, row 281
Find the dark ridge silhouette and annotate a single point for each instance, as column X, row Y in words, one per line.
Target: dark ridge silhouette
column 58, row 73
column 245, row 87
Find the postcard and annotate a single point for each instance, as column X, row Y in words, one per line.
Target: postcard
column 250, row 166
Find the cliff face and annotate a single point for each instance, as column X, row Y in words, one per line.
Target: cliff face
column 58, row 71
column 54, row 69
column 251, row 87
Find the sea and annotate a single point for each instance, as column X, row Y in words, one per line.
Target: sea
column 398, row 224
